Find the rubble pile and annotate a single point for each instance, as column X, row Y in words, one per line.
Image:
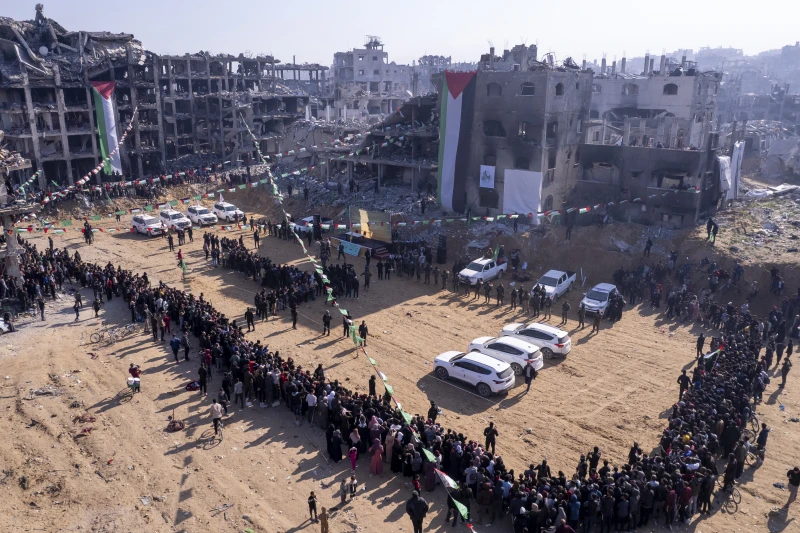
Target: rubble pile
column 9, row 160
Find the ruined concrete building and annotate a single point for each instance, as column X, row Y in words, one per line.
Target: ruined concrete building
column 521, row 121
column 186, row 105
column 367, row 86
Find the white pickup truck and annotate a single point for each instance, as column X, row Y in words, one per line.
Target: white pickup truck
column 482, row 269
column 557, row 282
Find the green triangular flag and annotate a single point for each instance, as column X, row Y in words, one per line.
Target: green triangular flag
column 343, row 311
column 406, row 416
column 389, row 389
column 428, row 455
column 461, row 509
column 372, row 361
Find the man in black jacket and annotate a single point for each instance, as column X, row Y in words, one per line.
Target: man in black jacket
column 416, row 508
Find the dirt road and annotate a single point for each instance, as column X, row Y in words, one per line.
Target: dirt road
column 124, row 472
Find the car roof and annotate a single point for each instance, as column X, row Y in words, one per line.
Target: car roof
column 481, row 340
column 547, row 329
column 604, row 287
column 171, row 211
column 517, row 343
column 451, row 353
column 553, row 273
column 145, row 218
column 225, row 204
column 482, row 260
column 486, row 360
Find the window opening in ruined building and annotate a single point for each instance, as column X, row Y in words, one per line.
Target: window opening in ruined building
column 596, row 136
column 374, row 58
column 596, row 88
column 552, row 129
column 548, row 203
column 361, row 58
column 671, row 89
column 361, row 72
column 488, row 198
column 376, row 72
column 490, row 159
column 630, row 89
column 525, row 131
column 528, row 89
column 577, row 86
column 522, row 163
column 559, row 89
column 551, row 160
column 493, row 128
column 636, row 174
column 494, row 89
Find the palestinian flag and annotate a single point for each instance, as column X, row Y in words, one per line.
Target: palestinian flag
column 457, row 101
column 447, row 481
column 107, row 124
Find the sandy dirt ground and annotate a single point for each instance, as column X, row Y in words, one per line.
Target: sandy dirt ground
column 124, row 472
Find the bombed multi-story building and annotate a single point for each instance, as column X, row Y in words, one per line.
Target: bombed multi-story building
column 519, row 122
column 52, row 82
column 367, row 86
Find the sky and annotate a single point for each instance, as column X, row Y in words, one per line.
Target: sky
column 312, row 30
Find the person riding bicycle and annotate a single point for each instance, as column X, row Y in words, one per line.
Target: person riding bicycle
column 216, row 416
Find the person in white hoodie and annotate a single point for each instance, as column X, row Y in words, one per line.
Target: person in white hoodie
column 216, row 416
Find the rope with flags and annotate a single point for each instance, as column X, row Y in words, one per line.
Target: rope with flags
column 357, row 340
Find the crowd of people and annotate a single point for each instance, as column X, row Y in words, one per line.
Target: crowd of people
column 709, row 434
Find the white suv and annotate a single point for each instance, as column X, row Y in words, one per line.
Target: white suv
column 550, row 340
column 227, row 212
column 487, row 374
column 174, row 219
column 513, row 351
column 598, row 298
column 202, row 216
column 146, row 225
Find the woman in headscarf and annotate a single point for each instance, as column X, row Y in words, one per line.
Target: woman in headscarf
column 355, row 441
column 376, row 465
column 336, row 447
column 397, row 457
column 416, row 464
column 329, row 439
column 389, row 445
column 375, row 428
column 407, row 472
column 430, row 476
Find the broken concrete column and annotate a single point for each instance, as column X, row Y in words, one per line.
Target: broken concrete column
column 622, row 66
column 645, row 72
column 652, row 64
column 613, row 68
column 663, row 68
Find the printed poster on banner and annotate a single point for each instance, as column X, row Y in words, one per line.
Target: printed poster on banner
column 487, row 177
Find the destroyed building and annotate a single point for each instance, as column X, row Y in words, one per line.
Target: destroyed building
column 675, row 89
column 367, row 86
column 401, row 150
column 185, row 105
column 524, row 122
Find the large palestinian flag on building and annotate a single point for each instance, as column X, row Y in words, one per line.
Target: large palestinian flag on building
column 107, row 124
column 455, row 122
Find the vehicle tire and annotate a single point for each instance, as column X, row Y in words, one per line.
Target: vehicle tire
column 442, row 374
column 484, row 390
column 500, row 274
column 547, row 353
column 95, row 338
column 517, row 369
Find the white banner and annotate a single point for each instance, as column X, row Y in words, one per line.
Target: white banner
column 522, row 192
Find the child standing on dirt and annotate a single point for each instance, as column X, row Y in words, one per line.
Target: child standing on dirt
column 312, row 506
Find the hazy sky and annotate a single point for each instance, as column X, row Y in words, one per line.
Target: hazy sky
column 314, row 29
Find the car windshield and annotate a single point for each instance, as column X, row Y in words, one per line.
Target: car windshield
column 230, row 208
column 505, row 373
column 202, row 211
column 597, row 295
column 176, row 216
column 477, row 267
column 547, row 280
